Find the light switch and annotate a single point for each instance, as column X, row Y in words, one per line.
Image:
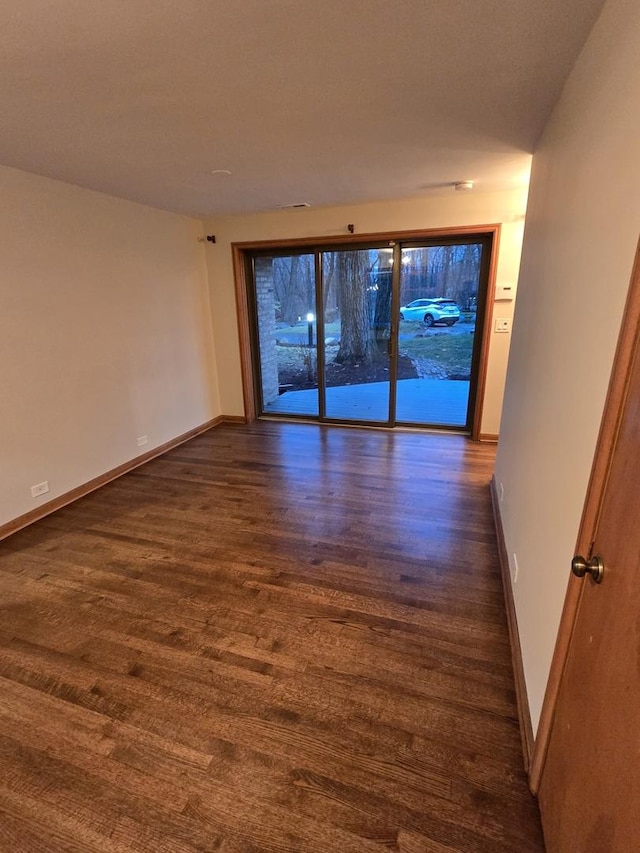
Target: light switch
column 503, row 324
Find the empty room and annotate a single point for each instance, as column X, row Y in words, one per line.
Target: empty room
column 319, row 394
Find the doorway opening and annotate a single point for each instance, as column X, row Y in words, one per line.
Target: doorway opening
column 386, row 331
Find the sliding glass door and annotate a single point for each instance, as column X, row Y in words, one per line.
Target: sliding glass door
column 356, row 286
column 379, row 334
column 284, row 290
column 440, row 286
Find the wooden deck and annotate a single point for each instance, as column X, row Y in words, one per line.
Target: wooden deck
column 438, row 402
column 277, row 638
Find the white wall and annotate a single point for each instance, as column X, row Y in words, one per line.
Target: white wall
column 582, row 228
column 105, row 334
column 436, row 211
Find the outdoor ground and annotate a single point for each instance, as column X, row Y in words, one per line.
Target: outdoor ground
column 435, row 353
column 440, row 353
column 294, row 372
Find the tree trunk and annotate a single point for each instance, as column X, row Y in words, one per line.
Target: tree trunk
column 382, row 314
column 357, row 345
column 330, row 300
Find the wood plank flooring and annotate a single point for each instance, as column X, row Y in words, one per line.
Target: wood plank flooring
column 275, row 638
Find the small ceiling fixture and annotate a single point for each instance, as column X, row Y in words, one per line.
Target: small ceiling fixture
column 220, row 172
column 463, row 186
column 293, row 205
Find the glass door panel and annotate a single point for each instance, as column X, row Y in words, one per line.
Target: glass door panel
column 356, row 302
column 285, row 308
column 373, row 334
column 439, row 289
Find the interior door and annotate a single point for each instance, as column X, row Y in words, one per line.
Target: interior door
column 590, row 786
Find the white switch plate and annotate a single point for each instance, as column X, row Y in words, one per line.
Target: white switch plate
column 503, row 324
column 505, row 293
column 40, row 489
column 142, row 439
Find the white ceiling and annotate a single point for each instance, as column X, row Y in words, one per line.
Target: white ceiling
column 324, row 101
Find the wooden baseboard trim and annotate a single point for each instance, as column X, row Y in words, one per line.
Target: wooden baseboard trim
column 231, row 419
column 489, row 437
column 524, row 715
column 80, row 491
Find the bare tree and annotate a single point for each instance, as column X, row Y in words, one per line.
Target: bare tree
column 357, row 344
column 382, row 312
column 294, row 284
column 452, row 272
column 285, row 280
column 329, row 295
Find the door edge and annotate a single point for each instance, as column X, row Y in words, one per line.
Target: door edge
column 239, row 259
column 485, row 332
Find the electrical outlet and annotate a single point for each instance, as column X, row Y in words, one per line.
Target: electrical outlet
column 40, row 489
column 503, row 324
column 142, row 439
column 501, row 492
column 515, row 568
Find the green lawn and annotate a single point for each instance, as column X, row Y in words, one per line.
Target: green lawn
column 450, row 352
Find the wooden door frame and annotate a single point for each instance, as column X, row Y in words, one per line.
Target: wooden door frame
column 241, row 252
column 628, row 342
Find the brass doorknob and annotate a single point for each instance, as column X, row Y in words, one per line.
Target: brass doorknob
column 594, row 567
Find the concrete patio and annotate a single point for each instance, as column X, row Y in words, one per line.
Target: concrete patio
column 433, row 402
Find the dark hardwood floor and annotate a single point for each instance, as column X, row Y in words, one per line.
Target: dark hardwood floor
column 276, row 637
